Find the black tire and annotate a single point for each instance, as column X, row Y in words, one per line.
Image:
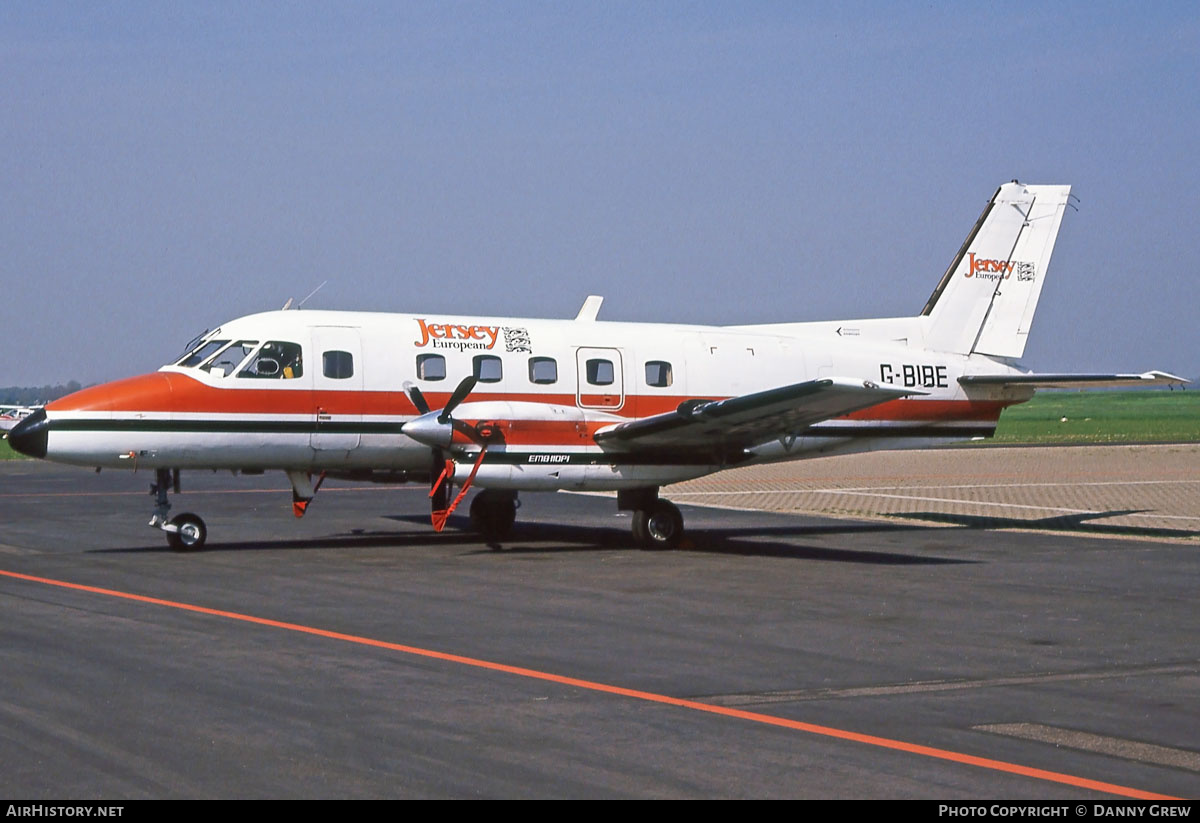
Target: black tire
column 659, row 527
column 493, row 513
column 191, row 534
column 640, row 517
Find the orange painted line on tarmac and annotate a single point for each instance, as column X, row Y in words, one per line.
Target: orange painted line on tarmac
column 196, row 492
column 754, row 717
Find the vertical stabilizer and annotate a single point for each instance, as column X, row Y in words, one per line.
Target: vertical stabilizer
column 986, row 299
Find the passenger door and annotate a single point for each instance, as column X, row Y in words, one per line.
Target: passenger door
column 337, row 371
column 600, row 380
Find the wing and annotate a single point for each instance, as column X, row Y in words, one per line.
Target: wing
column 740, row 422
column 1072, row 381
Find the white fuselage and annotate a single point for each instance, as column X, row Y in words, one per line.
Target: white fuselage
column 317, row 390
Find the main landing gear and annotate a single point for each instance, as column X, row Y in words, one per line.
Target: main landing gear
column 493, row 512
column 657, row 523
column 185, row 532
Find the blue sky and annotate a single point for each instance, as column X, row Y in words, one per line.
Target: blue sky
column 167, row 167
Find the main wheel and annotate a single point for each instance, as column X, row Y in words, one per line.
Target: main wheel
column 493, row 513
column 659, row 527
column 191, row 534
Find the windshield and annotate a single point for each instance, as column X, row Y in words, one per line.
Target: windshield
column 202, row 352
column 227, row 360
column 222, row 357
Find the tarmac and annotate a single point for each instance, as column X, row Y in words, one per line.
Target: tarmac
column 954, row 624
column 1146, row 491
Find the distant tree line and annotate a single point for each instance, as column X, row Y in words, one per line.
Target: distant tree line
column 35, row 395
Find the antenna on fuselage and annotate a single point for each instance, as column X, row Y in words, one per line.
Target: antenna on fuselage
column 288, row 304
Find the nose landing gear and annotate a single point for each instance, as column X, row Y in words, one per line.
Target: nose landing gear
column 189, row 535
column 185, row 532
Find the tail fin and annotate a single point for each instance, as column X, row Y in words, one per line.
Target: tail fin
column 986, row 299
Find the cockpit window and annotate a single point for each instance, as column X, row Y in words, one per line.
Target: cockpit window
column 276, row 360
column 227, row 360
column 202, row 352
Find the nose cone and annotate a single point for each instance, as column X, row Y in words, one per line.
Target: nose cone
column 427, row 429
column 31, row 434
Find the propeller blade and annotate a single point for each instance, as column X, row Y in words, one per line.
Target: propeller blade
column 460, row 394
column 416, row 398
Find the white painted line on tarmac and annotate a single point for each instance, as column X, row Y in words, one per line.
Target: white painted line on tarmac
column 1101, row 744
column 839, row 489
column 923, row 686
column 921, row 498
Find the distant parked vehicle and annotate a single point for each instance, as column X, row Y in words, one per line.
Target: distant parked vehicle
column 12, row 415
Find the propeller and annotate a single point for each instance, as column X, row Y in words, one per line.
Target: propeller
column 436, row 430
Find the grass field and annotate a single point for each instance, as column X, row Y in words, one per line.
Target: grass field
column 1072, row 417
column 1103, row 417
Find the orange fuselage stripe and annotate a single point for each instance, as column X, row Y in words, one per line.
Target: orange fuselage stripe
column 170, row 392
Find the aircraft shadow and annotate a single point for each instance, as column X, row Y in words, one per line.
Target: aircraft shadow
column 1076, row 523
column 534, row 538
column 748, row 541
column 357, row 538
column 542, row 538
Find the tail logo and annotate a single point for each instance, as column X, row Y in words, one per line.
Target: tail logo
column 999, row 269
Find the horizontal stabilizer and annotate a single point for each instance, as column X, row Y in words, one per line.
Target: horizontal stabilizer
column 1073, row 381
column 739, row 422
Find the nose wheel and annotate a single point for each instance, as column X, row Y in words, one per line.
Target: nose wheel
column 189, row 532
column 185, row 532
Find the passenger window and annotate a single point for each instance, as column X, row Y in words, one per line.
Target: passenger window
column 338, row 365
column 658, row 373
column 225, row 362
column 276, row 360
column 600, row 372
column 431, row 367
column 543, row 370
column 487, row 368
